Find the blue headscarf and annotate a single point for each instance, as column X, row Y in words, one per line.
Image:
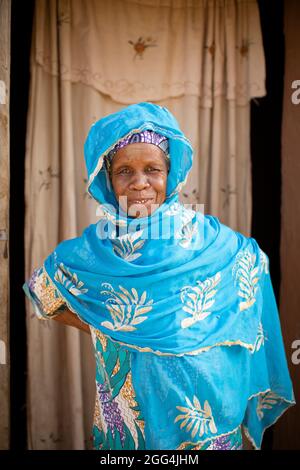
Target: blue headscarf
column 196, row 298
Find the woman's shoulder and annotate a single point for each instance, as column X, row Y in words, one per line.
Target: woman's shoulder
column 72, row 244
column 246, row 242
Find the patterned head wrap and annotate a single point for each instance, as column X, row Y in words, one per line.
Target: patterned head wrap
column 148, row 137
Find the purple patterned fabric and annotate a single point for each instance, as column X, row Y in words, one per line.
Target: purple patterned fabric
column 227, row 442
column 147, row 137
column 33, row 278
column 111, row 412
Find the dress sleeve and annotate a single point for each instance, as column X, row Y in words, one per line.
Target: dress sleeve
column 45, row 298
column 270, row 391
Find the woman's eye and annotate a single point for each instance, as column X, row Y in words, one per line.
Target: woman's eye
column 153, row 169
column 127, row 171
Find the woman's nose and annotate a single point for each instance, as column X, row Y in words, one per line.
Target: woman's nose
column 139, row 181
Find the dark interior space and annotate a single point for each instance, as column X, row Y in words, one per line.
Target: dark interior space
column 21, row 27
column 266, row 117
column 266, row 120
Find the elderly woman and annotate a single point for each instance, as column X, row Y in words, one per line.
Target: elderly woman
column 180, row 307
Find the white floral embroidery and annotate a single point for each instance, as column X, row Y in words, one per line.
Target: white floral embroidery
column 187, row 229
column 196, row 419
column 260, row 339
column 126, row 245
column 187, row 215
column 187, row 234
column 125, row 308
column 245, row 271
column 174, row 209
column 266, row 401
column 69, row 280
column 199, row 299
column 103, row 213
column 264, row 261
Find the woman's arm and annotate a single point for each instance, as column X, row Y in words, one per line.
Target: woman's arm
column 69, row 318
column 247, row 445
column 48, row 303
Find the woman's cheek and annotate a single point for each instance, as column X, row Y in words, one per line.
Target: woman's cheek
column 119, row 185
column 159, row 183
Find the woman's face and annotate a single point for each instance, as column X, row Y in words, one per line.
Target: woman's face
column 139, row 174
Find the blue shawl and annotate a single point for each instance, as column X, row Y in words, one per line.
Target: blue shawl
column 195, row 292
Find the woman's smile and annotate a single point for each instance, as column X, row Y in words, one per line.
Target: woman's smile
column 141, row 201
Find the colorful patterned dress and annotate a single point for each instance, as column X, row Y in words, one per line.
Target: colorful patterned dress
column 119, row 421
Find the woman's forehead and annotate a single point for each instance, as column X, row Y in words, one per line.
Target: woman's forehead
column 139, row 152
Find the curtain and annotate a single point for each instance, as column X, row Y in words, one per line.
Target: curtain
column 204, row 61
